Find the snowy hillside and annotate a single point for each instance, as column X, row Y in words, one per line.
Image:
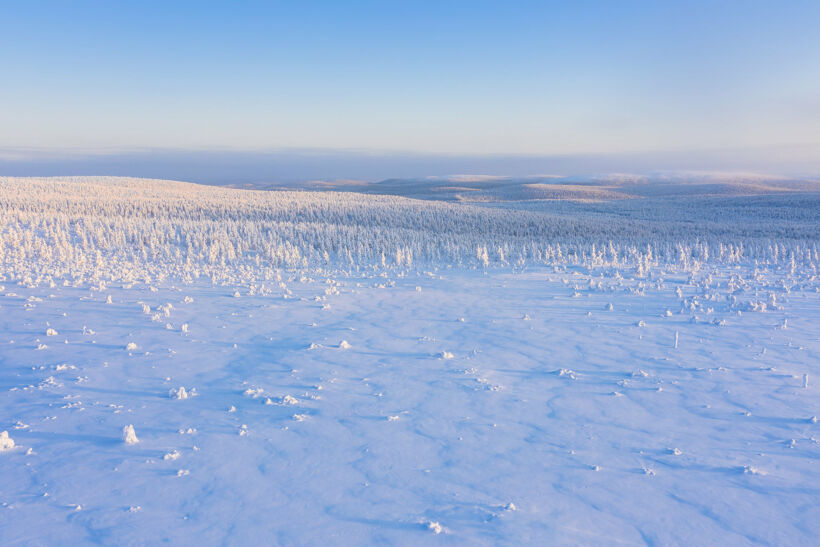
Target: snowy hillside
column 129, row 230
column 189, row 364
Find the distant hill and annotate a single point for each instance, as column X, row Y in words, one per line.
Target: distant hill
column 484, row 189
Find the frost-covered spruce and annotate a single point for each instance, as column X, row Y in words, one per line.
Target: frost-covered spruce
column 104, row 229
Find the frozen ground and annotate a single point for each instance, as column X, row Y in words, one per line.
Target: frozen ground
column 566, row 399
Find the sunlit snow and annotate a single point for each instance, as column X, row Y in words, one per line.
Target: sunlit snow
column 404, row 371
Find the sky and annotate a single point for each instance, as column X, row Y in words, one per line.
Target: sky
column 687, row 80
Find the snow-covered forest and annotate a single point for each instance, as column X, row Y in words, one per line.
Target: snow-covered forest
column 115, row 229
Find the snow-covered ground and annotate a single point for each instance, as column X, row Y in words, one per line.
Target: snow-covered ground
column 599, row 397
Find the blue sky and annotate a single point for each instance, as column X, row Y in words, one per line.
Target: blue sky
column 463, row 78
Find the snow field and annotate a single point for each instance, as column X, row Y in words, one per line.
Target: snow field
column 490, row 407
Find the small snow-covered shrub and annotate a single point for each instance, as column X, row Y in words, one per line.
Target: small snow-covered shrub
column 6, row 442
column 182, row 393
column 129, row 436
